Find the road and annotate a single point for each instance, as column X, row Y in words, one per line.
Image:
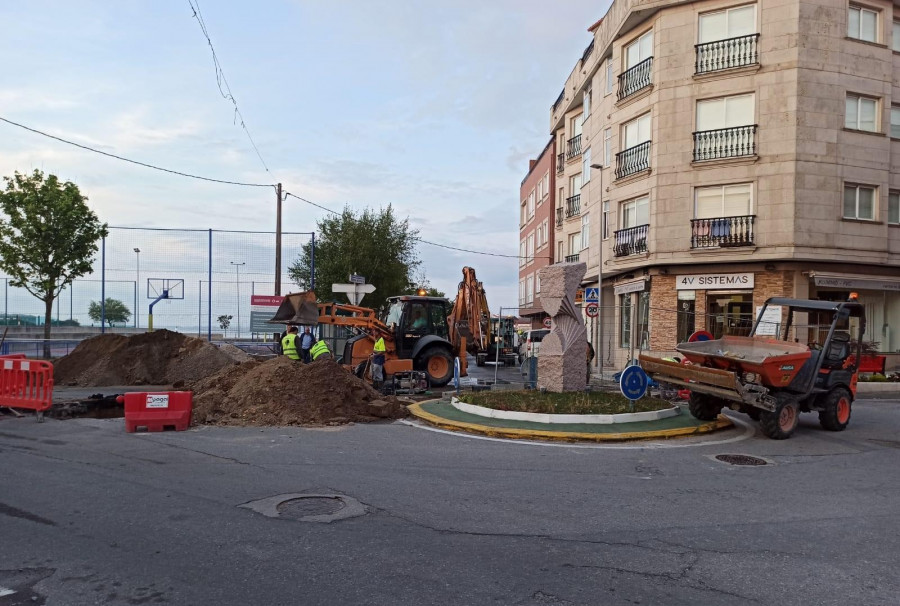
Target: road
column 92, row 515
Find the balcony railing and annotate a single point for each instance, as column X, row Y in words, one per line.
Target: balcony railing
column 573, row 147
column 560, row 162
column 725, row 143
column 633, row 160
column 573, row 206
column 636, row 78
column 631, row 241
column 559, row 99
column 573, row 258
column 727, row 54
column 722, row 232
column 587, row 52
column 559, row 216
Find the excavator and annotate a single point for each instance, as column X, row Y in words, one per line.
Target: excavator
column 420, row 333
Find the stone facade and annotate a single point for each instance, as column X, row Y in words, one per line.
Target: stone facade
column 561, row 364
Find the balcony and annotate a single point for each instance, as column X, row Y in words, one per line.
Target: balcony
column 573, row 206
column 559, row 216
column 587, row 52
column 722, row 232
column 559, row 99
column 573, row 148
column 573, row 258
column 725, row 143
column 633, row 160
column 560, row 162
column 635, row 79
column 727, row 54
column 631, row 241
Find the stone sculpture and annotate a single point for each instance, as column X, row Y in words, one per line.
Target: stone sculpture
column 561, row 363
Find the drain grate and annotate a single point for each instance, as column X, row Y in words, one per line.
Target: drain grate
column 309, row 506
column 305, row 507
column 736, row 459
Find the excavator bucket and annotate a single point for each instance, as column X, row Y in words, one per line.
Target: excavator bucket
column 297, row 308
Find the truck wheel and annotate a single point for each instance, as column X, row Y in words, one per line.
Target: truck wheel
column 836, row 415
column 704, row 407
column 780, row 423
column 438, row 366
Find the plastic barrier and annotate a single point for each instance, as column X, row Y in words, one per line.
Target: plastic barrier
column 26, row 383
column 157, row 411
column 15, row 356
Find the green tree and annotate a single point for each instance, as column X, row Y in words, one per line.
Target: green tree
column 224, row 322
column 48, row 236
column 116, row 312
column 374, row 244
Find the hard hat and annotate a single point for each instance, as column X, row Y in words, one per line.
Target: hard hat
column 379, row 345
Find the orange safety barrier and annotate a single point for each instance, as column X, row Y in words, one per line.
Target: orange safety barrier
column 26, row 383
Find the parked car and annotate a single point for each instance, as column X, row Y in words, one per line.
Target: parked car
column 531, row 343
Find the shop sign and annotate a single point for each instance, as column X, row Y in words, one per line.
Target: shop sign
column 624, row 289
column 857, row 283
column 714, row 281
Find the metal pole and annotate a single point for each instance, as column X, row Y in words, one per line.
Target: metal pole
column 103, row 286
column 137, row 288
column 209, row 301
column 71, row 291
column 312, row 267
column 599, row 349
column 277, row 241
column 237, row 284
column 199, row 308
column 6, row 300
column 497, row 344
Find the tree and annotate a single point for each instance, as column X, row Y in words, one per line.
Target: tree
column 224, row 322
column 47, row 238
column 374, row 244
column 116, row 312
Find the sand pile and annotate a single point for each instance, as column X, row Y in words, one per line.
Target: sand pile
column 284, row 392
column 162, row 357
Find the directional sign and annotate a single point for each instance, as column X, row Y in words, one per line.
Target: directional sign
column 633, row 382
column 592, row 295
column 354, row 279
column 354, row 292
column 592, row 310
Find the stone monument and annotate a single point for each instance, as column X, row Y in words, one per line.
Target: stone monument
column 562, row 363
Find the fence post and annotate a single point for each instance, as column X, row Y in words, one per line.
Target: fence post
column 199, row 308
column 103, row 286
column 209, row 300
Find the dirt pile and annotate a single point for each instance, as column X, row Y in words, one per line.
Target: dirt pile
column 284, row 392
column 161, row 357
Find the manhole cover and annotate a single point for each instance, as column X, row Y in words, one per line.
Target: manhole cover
column 735, row 459
column 326, row 508
column 309, row 506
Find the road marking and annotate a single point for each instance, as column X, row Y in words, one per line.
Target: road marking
column 5, row 592
column 640, row 444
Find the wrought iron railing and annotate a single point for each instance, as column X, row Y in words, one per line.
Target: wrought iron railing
column 560, row 162
column 573, row 206
column 725, row 143
column 727, row 54
column 631, row 241
column 559, row 99
column 559, row 216
column 573, row 147
column 722, row 231
column 633, row 160
column 573, row 258
column 587, row 52
column 636, row 78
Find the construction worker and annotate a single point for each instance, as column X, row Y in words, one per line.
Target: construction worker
column 378, row 363
column 289, row 344
column 319, row 350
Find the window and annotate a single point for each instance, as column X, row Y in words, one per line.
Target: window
column 585, row 230
column 531, row 205
column 625, row 320
column 545, row 184
column 538, row 236
column 586, row 102
column 522, row 292
column 729, row 23
column 859, row 202
column 607, row 147
column 586, row 165
column 723, row 201
column 575, row 126
column 438, row 319
column 895, row 122
column 609, row 77
column 685, row 315
column 529, row 248
column 575, row 184
column 560, row 255
column 862, row 113
column 575, row 243
column 537, row 282
column 862, row 24
column 643, row 320
column 636, row 212
column 605, row 225
column 529, row 289
column 546, row 232
column 637, row 131
column 639, row 50
column 524, row 213
column 522, row 255
column 725, row 112
column 895, row 36
column 894, row 208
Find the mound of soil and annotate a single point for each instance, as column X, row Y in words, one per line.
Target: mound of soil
column 161, row 357
column 281, row 391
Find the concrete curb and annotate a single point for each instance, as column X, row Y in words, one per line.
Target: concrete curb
column 722, row 422
column 550, row 419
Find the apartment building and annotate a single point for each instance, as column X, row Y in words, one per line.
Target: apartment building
column 536, row 232
column 713, row 154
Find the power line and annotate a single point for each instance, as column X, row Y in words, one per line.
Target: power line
column 220, row 79
column 123, row 159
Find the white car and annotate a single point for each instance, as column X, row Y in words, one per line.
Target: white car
column 531, row 342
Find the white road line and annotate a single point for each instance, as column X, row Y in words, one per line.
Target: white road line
column 637, row 445
column 5, row 592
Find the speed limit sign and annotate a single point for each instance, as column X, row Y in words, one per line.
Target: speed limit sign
column 592, row 310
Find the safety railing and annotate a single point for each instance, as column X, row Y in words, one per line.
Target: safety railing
column 734, row 142
column 722, row 231
column 631, row 240
column 740, row 51
column 633, row 160
column 560, row 162
column 573, row 147
column 635, row 79
column 573, row 258
column 573, row 206
column 559, row 216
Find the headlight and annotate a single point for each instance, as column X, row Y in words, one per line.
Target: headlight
column 751, row 377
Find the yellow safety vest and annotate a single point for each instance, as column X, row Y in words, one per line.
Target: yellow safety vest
column 379, row 346
column 318, row 349
column 289, row 346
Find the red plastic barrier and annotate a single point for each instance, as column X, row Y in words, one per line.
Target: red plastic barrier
column 157, row 410
column 26, row 383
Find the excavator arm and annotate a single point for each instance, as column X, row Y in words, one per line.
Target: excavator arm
column 470, row 319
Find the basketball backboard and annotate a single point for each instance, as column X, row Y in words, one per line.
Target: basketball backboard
column 156, row 287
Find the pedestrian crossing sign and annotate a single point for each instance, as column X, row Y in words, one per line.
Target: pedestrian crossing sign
column 591, row 295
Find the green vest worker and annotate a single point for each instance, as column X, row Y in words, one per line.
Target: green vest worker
column 319, row 349
column 289, row 344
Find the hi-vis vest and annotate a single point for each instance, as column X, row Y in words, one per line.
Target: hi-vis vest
column 318, row 349
column 289, row 346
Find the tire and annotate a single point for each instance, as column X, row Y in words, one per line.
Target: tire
column 704, row 407
column 753, row 412
column 836, row 415
column 438, row 365
column 781, row 423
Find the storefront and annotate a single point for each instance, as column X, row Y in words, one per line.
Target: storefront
column 879, row 294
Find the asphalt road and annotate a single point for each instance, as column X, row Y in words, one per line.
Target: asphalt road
column 92, row 515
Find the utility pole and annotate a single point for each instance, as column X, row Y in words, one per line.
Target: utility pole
column 278, row 239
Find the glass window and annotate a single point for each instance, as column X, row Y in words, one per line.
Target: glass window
column 609, row 77
column 529, row 249
column 895, row 122
column 575, row 243
column 529, row 289
column 607, row 147
column 575, row 126
column 537, row 282
column 895, row 36
column 862, row 24
column 625, row 320
column 522, row 255
column 439, row 319
column 685, row 315
column 546, row 184
column 636, row 212
column 726, row 112
column 531, row 204
column 586, row 165
column 643, row 320
column 862, row 113
column 859, row 202
column 723, row 201
column 730, row 23
column 575, row 184
column 639, row 50
column 418, row 319
column 522, row 292
column 637, row 131
column 605, row 220
column 585, row 230
column 894, row 208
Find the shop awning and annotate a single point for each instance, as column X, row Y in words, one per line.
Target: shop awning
column 858, row 282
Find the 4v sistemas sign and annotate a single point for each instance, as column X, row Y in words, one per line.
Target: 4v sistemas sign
column 714, row 281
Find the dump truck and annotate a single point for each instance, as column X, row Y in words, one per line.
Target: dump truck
column 771, row 375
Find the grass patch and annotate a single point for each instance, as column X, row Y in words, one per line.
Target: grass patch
column 573, row 403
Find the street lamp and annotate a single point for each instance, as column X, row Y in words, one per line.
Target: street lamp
column 237, row 283
column 137, row 288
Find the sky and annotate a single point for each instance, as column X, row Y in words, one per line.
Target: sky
column 432, row 107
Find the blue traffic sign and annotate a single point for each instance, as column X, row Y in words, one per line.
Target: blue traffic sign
column 633, row 382
column 592, row 295
column 456, row 374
